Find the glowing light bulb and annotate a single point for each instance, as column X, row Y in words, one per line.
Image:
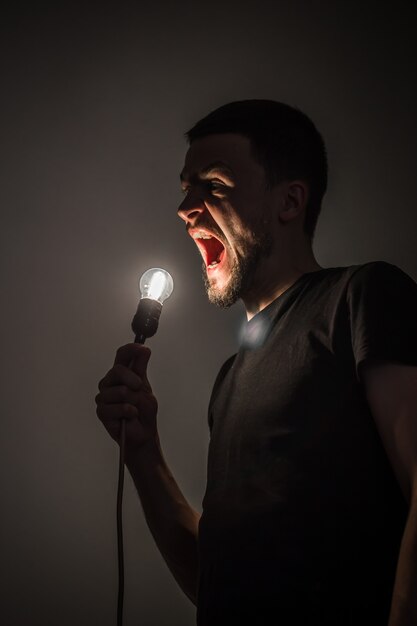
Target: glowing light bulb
column 156, row 286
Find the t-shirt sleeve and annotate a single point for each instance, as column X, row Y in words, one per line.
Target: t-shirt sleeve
column 382, row 302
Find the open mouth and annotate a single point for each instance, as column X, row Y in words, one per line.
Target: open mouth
column 212, row 250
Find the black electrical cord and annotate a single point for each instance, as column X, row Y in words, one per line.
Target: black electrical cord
column 144, row 325
column 120, row 556
column 119, row 509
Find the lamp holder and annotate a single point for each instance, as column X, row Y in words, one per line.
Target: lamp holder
column 146, row 319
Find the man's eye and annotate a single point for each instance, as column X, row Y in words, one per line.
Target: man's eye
column 213, row 186
column 216, row 185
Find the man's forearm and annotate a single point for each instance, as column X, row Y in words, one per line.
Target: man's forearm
column 171, row 520
column 404, row 601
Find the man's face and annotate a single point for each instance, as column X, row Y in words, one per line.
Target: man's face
column 226, row 211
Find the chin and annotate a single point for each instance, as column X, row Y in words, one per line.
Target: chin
column 223, row 291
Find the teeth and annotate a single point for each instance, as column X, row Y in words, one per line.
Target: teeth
column 213, row 264
column 201, row 236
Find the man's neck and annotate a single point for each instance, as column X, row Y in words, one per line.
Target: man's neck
column 269, row 284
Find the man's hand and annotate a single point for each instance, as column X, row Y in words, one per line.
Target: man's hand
column 125, row 393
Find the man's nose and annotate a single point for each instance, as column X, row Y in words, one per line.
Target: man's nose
column 191, row 208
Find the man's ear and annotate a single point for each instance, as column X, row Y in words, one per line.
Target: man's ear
column 295, row 198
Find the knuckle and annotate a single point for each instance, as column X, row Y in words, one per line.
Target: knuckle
column 138, row 382
column 116, row 374
column 119, row 369
column 104, row 382
column 120, row 350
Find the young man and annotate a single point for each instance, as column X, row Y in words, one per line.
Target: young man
column 310, row 511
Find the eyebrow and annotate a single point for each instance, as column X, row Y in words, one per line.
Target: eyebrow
column 215, row 166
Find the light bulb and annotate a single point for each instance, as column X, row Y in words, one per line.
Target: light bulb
column 156, row 284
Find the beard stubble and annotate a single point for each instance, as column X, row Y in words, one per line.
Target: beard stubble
column 242, row 271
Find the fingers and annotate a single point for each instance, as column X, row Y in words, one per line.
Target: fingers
column 139, row 365
column 117, row 395
column 121, row 375
column 114, row 403
column 125, row 393
column 113, row 412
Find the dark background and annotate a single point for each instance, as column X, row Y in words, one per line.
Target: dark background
column 95, row 99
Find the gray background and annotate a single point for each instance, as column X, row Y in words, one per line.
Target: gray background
column 95, row 101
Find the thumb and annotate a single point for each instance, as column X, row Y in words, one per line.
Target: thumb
column 139, row 363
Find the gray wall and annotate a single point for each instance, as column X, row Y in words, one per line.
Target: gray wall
column 94, row 105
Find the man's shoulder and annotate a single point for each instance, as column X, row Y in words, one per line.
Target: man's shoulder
column 379, row 276
column 373, row 268
column 374, row 294
column 362, row 269
column 373, row 286
column 373, row 274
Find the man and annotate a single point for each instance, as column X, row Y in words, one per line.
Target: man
column 310, row 511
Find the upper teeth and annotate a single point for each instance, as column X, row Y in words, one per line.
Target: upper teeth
column 202, row 236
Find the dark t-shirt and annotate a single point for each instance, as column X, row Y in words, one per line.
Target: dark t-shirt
column 302, row 515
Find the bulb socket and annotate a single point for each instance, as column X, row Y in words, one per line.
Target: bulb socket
column 145, row 322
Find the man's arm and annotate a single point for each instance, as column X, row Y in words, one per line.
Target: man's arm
column 125, row 393
column 171, row 520
column 391, row 390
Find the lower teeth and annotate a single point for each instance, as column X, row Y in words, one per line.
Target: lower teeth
column 213, row 264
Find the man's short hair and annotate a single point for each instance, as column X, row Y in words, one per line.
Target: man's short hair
column 283, row 140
